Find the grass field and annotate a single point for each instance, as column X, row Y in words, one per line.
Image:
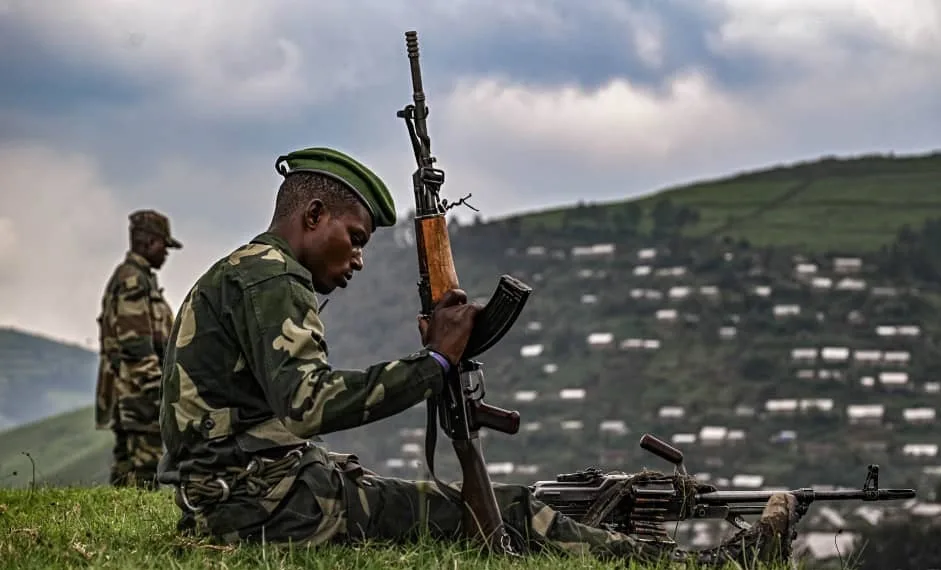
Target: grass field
column 107, row 528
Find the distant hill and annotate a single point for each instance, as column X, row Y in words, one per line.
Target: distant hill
column 64, row 448
column 754, row 320
column 40, row 377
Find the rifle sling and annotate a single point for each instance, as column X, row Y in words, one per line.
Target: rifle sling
column 431, row 439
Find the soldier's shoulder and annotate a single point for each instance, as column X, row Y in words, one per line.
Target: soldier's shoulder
column 254, row 263
column 130, row 277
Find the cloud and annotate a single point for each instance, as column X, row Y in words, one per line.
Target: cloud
column 183, row 106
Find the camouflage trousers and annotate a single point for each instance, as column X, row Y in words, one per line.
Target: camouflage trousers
column 134, row 459
column 328, row 505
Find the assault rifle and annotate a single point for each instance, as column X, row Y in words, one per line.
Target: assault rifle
column 640, row 504
column 460, row 404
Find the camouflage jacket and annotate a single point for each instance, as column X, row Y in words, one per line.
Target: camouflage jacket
column 133, row 326
column 247, row 376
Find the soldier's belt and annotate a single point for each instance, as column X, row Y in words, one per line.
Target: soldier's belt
column 253, row 480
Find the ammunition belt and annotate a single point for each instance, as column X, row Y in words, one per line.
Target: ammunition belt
column 253, row 480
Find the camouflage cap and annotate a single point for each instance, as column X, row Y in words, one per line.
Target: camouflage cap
column 153, row 222
column 362, row 181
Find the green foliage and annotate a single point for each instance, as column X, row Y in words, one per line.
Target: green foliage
column 110, row 528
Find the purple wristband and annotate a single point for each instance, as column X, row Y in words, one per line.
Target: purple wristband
column 441, row 360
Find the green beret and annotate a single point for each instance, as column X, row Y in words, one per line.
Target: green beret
column 363, row 182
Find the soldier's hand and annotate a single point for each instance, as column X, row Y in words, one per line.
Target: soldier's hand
column 450, row 325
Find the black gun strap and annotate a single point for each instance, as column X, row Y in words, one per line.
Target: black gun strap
column 431, row 439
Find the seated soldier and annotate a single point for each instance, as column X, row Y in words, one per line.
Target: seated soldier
column 247, row 387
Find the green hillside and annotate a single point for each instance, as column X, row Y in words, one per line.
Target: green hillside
column 722, row 255
column 40, row 377
column 64, row 449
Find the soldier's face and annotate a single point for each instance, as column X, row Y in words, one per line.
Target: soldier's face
column 157, row 253
column 335, row 247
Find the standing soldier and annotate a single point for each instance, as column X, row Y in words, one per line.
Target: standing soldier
column 134, row 325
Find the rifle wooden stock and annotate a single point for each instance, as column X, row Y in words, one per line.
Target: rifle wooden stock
column 481, row 514
column 431, row 235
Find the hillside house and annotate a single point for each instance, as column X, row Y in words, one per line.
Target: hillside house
column 908, row 330
column 585, row 273
column 531, row 350
column 666, row 315
column 867, row 381
column 709, row 291
column 647, row 253
column 805, row 269
column 727, row 333
column 617, row 427
column 712, row 435
column 600, row 338
column 677, row 271
column 416, row 433
column 589, row 299
column 526, row 469
column 747, row 481
column 683, row 438
column 651, row 344
column 897, row 357
column 865, row 413
column 821, row 283
column 762, row 290
column 395, row 463
column 525, row 395
column 550, row 368
column 536, row 250
column 671, row 412
column 781, row 407
column 411, row 448
column 932, row 387
column 835, row 353
column 653, row 295
column 850, row 284
column 679, row 292
column 847, row 264
column 806, row 374
column 735, row 436
column 867, row 357
column 894, row 379
column 533, row 326
column 829, row 374
column 637, row 293
column 572, row 394
column 816, row 405
column 593, row 250
column 532, row 426
column 920, row 449
column 500, row 467
column 803, row 354
column 919, row 415
column 780, row 311
column 571, row 425
column 886, row 330
column 641, row 270
column 632, row 343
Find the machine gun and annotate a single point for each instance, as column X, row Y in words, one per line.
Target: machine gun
column 640, row 504
column 460, row 404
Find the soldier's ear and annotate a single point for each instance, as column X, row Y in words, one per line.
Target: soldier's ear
column 313, row 214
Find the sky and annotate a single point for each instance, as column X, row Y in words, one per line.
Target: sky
column 107, row 106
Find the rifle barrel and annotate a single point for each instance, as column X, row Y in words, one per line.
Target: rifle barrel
column 805, row 496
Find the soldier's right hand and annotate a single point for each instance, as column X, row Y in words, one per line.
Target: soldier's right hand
column 451, row 324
